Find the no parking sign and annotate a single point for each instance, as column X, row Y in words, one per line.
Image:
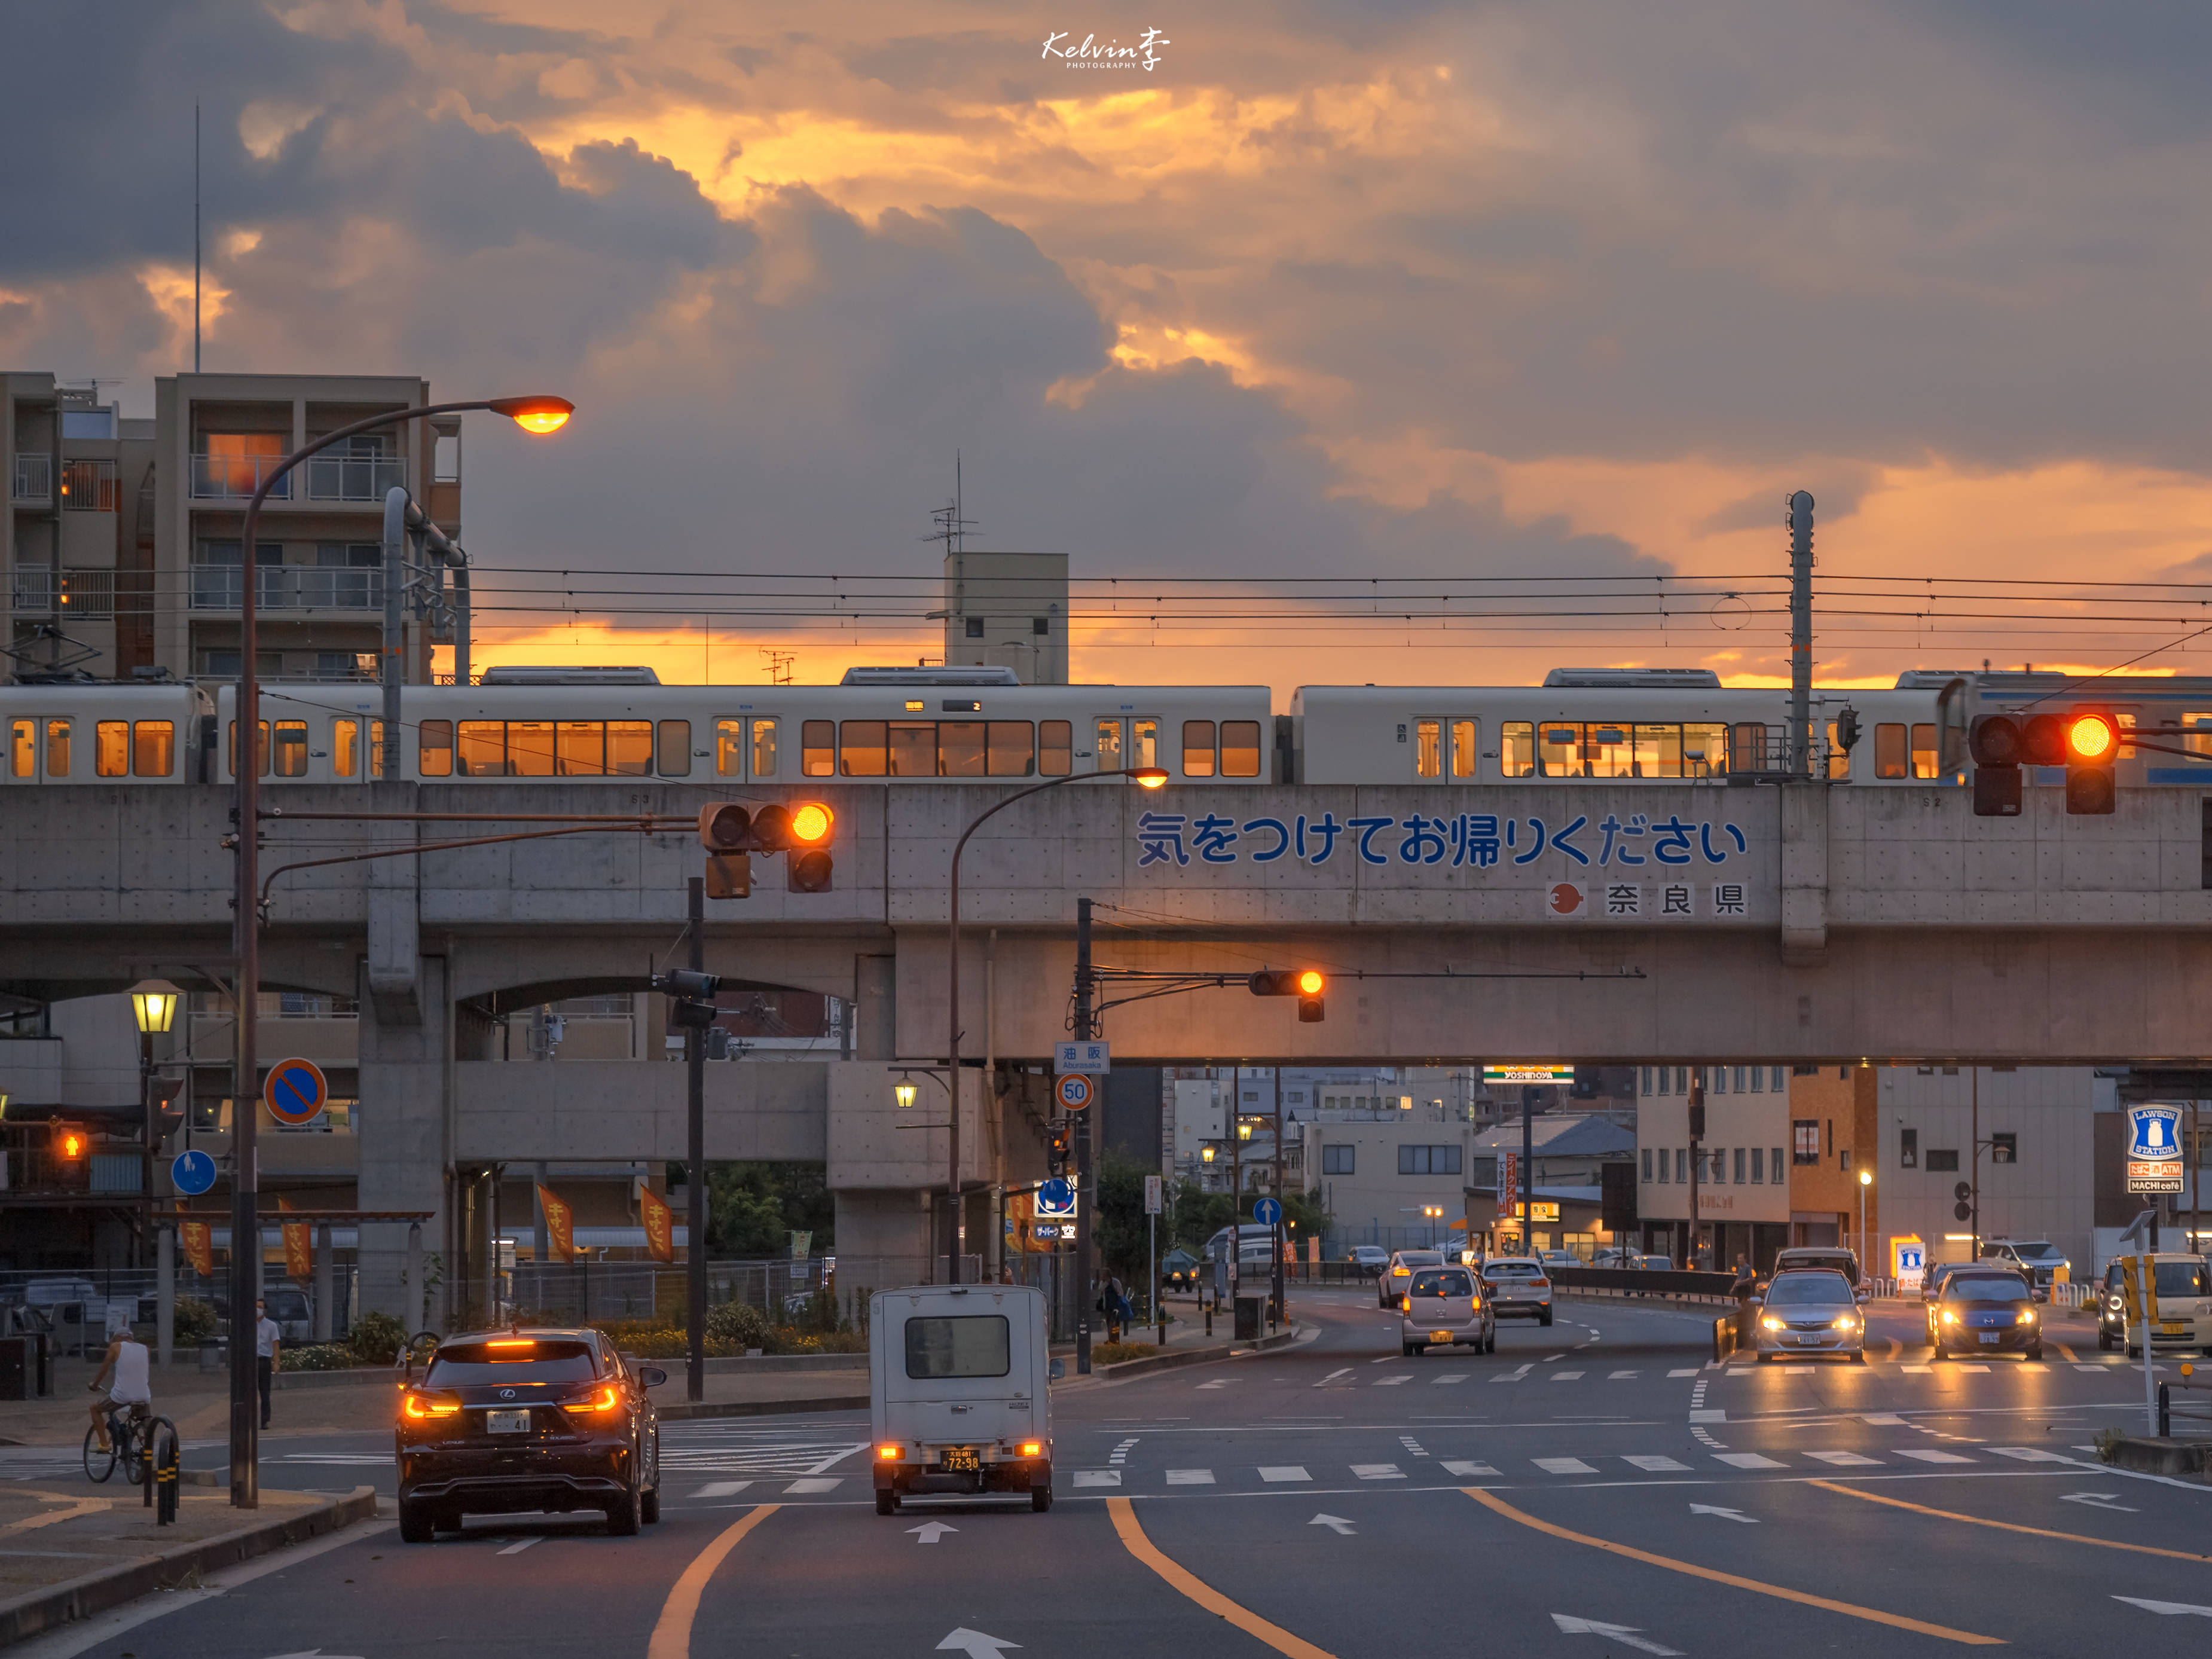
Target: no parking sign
column 296, row 1091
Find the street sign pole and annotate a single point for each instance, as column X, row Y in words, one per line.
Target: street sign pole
column 1086, row 1195
column 695, row 1194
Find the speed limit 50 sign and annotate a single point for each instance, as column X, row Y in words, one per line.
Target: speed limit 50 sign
column 1074, row 1092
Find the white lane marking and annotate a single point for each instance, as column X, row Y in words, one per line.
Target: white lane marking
column 1218, row 1382
column 1565, row 1377
column 2165, row 1607
column 1550, row 1358
column 2098, row 1500
column 1884, row 1420
column 1335, row 1523
column 803, row 1488
column 1391, row 1382
column 975, row 1644
column 1378, row 1472
column 1687, row 1370
column 1710, row 1414
column 1276, row 1473
column 2092, row 1369
column 1921, row 1456
column 1656, row 1464
column 1190, row 1477
column 517, row 1549
column 1615, row 1376
column 1844, row 1460
column 1563, row 1466
column 1916, row 1371
column 721, row 1488
column 1465, row 1470
column 930, row 1531
column 1333, row 1375
column 1098, row 1477
column 1623, row 1634
column 1513, row 1375
column 1121, row 1453
column 1725, row 1515
column 1749, row 1460
column 1451, row 1377
column 1411, row 1445
column 2028, row 1453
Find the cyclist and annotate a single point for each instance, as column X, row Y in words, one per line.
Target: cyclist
column 127, row 1362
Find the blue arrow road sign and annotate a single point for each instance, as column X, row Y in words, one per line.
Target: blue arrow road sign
column 1055, row 1198
column 1266, row 1212
column 193, row 1173
column 296, row 1091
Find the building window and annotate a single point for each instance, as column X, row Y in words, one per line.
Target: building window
column 1805, row 1140
column 1804, row 1071
column 1428, row 1160
column 1647, row 1079
column 974, row 628
column 1682, row 1164
column 1908, row 1149
column 1942, row 1160
column 1759, row 1166
column 1040, row 625
column 1739, row 1166
column 1665, row 1173
column 1720, row 1080
column 1845, row 1160
column 1646, row 1156
column 2004, row 1147
column 1337, row 1160
column 1774, row 1078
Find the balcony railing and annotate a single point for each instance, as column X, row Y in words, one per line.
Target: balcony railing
column 235, row 478
column 89, row 487
column 289, row 587
column 81, row 593
column 354, row 477
column 34, row 478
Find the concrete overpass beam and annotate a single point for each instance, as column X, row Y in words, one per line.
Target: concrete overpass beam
column 1804, row 875
column 404, row 1157
column 395, row 926
column 876, row 990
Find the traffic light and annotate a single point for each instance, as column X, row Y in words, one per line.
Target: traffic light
column 693, row 995
column 1996, row 745
column 71, row 1142
column 731, row 831
column 1057, row 1149
column 1306, row 984
column 2091, row 745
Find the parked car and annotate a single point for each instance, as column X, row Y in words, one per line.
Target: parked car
column 1397, row 1276
column 1558, row 1258
column 1519, row 1288
column 1983, row 1311
column 1446, row 1308
column 1368, row 1261
column 1811, row 1310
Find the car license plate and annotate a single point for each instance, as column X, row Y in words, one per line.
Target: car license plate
column 2169, row 1330
column 961, row 1457
column 1805, row 1339
column 1992, row 1336
column 517, row 1422
column 1440, row 1336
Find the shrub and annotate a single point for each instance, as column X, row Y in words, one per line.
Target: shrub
column 375, row 1338
column 1113, row 1353
column 195, row 1322
column 739, row 1324
column 790, row 1338
column 316, row 1357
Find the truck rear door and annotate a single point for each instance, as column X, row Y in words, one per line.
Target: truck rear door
column 953, row 1379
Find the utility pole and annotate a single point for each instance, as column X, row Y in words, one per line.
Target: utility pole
column 1801, row 636
column 1697, row 1156
column 1086, row 1191
column 695, row 1188
column 1974, row 1187
column 1282, row 1316
column 1527, row 1169
column 1236, row 1189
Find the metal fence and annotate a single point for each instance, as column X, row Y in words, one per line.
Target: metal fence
column 586, row 1290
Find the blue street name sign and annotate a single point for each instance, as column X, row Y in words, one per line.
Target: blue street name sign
column 193, row 1173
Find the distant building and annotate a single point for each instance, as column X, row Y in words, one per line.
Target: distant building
column 1008, row 610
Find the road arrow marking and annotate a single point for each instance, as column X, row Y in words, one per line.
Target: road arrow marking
column 1726, row 1514
column 2098, row 1500
column 1623, row 1634
column 931, row 1531
column 975, row 1643
column 1335, row 1523
column 2163, row 1606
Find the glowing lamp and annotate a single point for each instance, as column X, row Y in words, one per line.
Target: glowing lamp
column 153, row 1004
column 812, row 822
column 2089, row 736
column 1148, row 777
column 538, row 414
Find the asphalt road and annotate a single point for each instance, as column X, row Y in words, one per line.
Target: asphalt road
column 1596, row 1488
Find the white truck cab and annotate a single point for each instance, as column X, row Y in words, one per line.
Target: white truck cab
column 959, row 1389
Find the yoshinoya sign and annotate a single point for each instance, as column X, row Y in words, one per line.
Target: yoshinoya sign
column 2154, row 1149
column 1527, row 1072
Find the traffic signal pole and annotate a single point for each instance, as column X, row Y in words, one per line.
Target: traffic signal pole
column 695, row 1193
column 1086, row 1192
column 1800, row 757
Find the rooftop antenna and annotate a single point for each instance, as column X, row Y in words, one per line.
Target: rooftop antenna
column 952, row 528
column 195, row 238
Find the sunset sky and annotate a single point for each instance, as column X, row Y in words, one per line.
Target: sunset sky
column 1386, row 289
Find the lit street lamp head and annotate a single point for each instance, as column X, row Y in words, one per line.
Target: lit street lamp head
column 153, row 1004
column 1866, row 1177
column 1148, row 777
column 538, row 414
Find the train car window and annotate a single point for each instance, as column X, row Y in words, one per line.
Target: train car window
column 730, row 748
column 1055, row 748
column 817, row 749
column 345, row 748
column 433, row 748
column 1013, row 745
column 1748, row 750
column 1658, row 752
column 1428, row 749
column 630, row 749
column 1889, row 754
column 1240, row 749
column 1463, row 748
column 1927, row 759
column 2197, row 738
column 1558, row 751
column 1840, row 758
column 22, row 748
column 111, row 749
column 1704, row 751
column 913, row 746
column 1198, row 749
column 1110, row 746
column 764, row 749
column 674, row 760
column 1516, row 748
column 482, row 749
column 264, row 751
column 291, row 748
column 57, row 749
column 376, row 749
column 580, row 749
column 860, row 751
column 1608, row 752
column 1144, row 743
column 960, row 749
column 530, row 747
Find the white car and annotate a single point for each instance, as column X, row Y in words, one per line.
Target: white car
column 1519, row 1288
column 1397, row 1279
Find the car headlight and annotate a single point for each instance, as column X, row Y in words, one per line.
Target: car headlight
column 1950, row 1318
column 1845, row 1322
column 1770, row 1323
column 2026, row 1316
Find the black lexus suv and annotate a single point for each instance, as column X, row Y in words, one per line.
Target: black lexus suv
column 519, row 1420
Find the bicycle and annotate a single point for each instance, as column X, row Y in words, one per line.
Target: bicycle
column 127, row 1443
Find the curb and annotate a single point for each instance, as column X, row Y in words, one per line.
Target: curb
column 80, row 1598
column 1178, row 1359
column 685, row 1411
column 2150, row 1455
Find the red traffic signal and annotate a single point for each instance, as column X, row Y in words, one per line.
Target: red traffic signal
column 2086, row 742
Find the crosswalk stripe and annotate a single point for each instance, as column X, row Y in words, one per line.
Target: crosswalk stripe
column 1276, row 1473
column 1563, row 1466
column 721, row 1489
column 1464, row 1469
column 1565, row 1377
column 1190, row 1477
column 1451, row 1377
column 1513, row 1375
column 1748, row 1461
column 1687, row 1370
column 2028, row 1454
column 1920, row 1456
column 1617, row 1375
column 802, row 1488
column 1098, row 1477
column 1658, row 1464
column 1378, row 1472
column 1391, row 1381
column 1844, row 1460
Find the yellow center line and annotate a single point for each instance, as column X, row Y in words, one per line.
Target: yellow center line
column 1132, row 1538
column 2011, row 1526
column 2071, row 1357
column 671, row 1635
column 1896, row 1620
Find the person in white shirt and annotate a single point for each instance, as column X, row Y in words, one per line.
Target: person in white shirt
column 266, row 1347
column 131, row 1385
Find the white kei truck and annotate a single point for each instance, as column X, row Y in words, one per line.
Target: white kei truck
column 959, row 1393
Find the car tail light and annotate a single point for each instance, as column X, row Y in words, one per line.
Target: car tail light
column 602, row 1398
column 1033, row 1448
column 1405, row 1304
column 421, row 1407
column 889, row 1454
column 1540, row 1284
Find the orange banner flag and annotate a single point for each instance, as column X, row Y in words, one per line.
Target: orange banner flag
column 198, row 1241
column 299, row 1249
column 559, row 1228
column 660, row 1225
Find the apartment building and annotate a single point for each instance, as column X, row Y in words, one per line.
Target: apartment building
column 122, row 535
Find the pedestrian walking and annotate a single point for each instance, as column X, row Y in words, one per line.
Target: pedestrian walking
column 268, row 1343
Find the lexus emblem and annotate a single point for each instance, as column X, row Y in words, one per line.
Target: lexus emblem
column 507, row 1394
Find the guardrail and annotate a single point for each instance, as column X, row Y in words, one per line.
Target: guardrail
column 1682, row 1283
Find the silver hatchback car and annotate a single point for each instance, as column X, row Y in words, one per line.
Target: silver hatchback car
column 1444, row 1307
column 1811, row 1310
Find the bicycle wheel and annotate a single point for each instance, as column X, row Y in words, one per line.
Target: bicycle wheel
column 99, row 1463
column 136, row 1451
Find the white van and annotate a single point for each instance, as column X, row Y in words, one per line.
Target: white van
column 958, row 1390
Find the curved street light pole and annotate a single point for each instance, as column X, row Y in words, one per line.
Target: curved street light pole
column 1150, row 777
column 534, row 414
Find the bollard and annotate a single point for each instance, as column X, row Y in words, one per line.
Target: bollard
column 166, row 1460
column 1209, row 1319
column 2165, row 1414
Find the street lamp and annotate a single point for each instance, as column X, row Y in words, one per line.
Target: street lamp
column 1866, row 1179
column 153, row 1005
column 1146, row 777
column 903, row 1092
column 537, row 415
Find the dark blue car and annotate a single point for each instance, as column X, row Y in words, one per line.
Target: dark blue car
column 1982, row 1312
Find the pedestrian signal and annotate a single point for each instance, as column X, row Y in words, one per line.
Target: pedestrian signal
column 71, row 1143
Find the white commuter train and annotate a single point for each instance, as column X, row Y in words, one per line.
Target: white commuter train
column 1582, row 726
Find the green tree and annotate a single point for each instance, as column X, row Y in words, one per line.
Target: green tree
column 754, row 1207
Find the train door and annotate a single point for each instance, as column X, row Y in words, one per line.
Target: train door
column 1124, row 741
column 41, row 748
